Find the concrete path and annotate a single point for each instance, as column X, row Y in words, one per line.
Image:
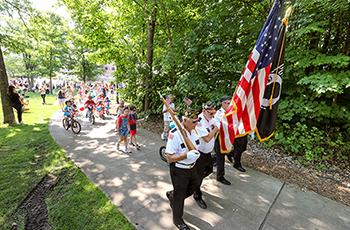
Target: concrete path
column 137, row 183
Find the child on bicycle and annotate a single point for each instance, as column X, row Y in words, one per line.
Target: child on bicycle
column 100, row 108
column 67, row 110
column 123, row 129
column 107, row 102
column 133, row 120
column 89, row 104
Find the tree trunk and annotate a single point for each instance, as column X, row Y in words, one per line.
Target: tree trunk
column 30, row 66
column 31, row 86
column 51, row 83
column 9, row 117
column 313, row 45
column 334, row 100
column 84, row 74
column 149, row 56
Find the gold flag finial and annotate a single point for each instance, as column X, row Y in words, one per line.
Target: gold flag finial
column 289, row 10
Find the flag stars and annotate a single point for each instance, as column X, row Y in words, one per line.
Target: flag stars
column 275, row 26
column 270, row 47
column 275, row 38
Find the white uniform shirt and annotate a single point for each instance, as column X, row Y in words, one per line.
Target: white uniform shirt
column 167, row 116
column 218, row 115
column 175, row 145
column 208, row 126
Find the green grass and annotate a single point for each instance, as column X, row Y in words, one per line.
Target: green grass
column 27, row 154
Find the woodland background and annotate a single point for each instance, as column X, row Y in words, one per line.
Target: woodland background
column 196, row 49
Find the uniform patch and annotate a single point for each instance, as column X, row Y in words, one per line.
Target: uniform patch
column 183, row 145
column 197, row 142
column 170, row 136
column 212, row 126
column 174, row 130
column 199, row 124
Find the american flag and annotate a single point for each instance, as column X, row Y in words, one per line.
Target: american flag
column 187, row 101
column 242, row 114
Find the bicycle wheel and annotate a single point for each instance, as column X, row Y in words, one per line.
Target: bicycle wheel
column 76, row 127
column 65, row 124
column 162, row 154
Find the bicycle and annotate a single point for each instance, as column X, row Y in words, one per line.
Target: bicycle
column 162, row 153
column 90, row 115
column 71, row 123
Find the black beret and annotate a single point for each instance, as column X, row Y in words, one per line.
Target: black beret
column 225, row 98
column 191, row 113
column 208, row 105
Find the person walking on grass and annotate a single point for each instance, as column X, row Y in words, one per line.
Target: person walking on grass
column 43, row 94
column 133, row 120
column 123, row 129
column 61, row 95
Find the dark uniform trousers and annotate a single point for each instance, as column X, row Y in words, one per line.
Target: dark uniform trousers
column 239, row 146
column 184, row 183
column 204, row 167
column 220, row 158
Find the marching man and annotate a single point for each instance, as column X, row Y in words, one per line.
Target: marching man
column 182, row 171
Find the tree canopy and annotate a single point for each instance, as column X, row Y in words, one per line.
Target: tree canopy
column 199, row 49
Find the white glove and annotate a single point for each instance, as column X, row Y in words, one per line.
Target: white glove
column 193, row 155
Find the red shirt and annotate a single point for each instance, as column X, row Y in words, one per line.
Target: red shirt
column 89, row 103
column 119, row 121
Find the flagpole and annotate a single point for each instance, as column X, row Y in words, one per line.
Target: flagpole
column 285, row 21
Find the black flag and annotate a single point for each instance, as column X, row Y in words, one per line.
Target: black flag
column 266, row 124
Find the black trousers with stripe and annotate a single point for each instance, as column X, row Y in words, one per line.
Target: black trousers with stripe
column 204, row 167
column 184, row 183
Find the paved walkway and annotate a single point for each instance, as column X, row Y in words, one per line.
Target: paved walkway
column 137, row 183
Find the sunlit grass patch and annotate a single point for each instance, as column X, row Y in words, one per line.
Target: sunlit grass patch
column 27, row 154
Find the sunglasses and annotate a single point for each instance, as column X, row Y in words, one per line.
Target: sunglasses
column 227, row 102
column 211, row 114
column 194, row 122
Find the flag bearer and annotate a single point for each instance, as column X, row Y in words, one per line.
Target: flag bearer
column 220, row 172
column 204, row 164
column 182, row 165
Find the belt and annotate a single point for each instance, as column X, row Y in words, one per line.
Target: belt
column 184, row 166
column 204, row 152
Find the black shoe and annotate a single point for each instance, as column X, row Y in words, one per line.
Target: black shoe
column 201, row 204
column 131, row 143
column 182, row 226
column 239, row 168
column 229, row 157
column 169, row 194
column 224, row 181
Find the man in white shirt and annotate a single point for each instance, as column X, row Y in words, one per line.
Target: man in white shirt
column 167, row 116
column 220, row 172
column 182, row 164
column 204, row 164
